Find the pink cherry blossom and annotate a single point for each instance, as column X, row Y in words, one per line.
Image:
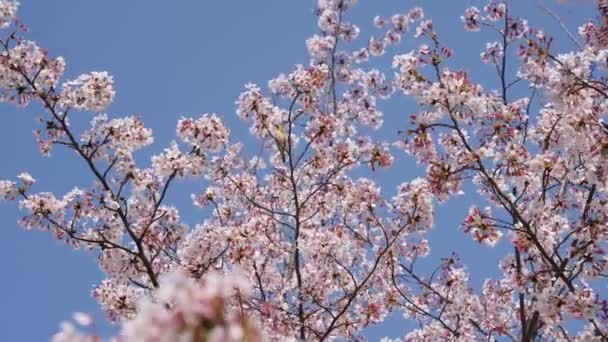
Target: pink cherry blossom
column 91, row 92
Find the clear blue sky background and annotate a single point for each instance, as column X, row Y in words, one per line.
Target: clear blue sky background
column 173, row 58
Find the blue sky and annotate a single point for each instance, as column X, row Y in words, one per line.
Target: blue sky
column 174, row 58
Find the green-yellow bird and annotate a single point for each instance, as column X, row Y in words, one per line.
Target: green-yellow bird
column 281, row 140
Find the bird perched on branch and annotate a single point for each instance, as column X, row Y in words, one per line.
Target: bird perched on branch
column 281, row 140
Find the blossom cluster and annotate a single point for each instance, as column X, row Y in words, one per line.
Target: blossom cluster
column 180, row 310
column 89, row 92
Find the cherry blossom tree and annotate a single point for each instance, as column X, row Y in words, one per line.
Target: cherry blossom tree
column 297, row 245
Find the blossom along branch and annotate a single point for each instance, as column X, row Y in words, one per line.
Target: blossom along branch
column 295, row 246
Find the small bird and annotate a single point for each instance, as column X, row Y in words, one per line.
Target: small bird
column 281, row 140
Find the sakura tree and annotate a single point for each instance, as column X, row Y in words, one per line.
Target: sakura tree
column 299, row 242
